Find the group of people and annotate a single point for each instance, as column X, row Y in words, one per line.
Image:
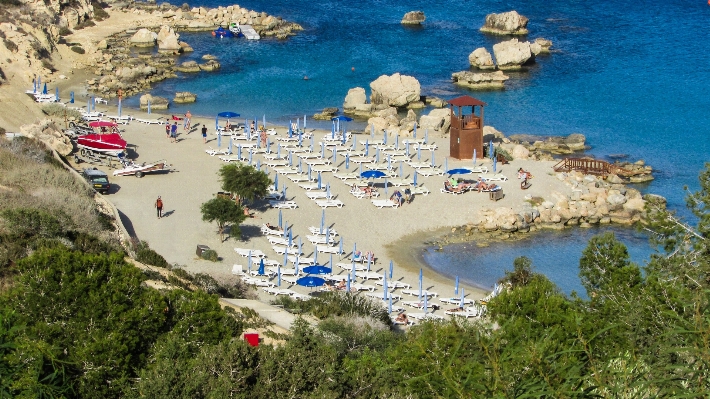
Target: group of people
column 171, row 131
column 454, row 186
column 400, row 199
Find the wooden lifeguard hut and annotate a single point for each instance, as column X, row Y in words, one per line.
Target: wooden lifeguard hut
column 466, row 129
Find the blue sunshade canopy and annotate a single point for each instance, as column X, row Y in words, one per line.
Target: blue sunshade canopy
column 228, row 114
column 342, row 118
column 310, row 281
column 317, row 269
column 459, row 171
column 368, row 174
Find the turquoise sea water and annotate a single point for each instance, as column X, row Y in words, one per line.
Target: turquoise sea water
column 633, row 76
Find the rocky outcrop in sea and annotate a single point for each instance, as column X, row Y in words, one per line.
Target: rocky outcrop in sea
column 413, row 18
column 480, row 80
column 507, row 23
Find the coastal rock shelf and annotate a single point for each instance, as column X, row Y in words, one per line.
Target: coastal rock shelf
column 507, row 23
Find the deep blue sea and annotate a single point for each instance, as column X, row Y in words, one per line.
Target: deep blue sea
column 633, row 76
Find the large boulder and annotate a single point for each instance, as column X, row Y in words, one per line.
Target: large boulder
column 520, row 152
column 395, row 90
column 480, row 80
column 47, row 131
column 575, row 141
column 144, row 38
column 210, row 66
column 327, row 114
column 437, row 120
column 168, row 40
column 413, row 18
column 507, row 23
column 356, row 96
column 155, row 102
column 481, row 59
column 188, row 67
column 541, row 46
column 183, row 97
column 511, row 55
column 165, row 32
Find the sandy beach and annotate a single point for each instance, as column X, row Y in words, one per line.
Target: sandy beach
column 392, row 234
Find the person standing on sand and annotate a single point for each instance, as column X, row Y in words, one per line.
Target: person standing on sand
column 188, row 118
column 204, row 133
column 173, row 133
column 263, row 138
column 159, row 207
column 167, row 130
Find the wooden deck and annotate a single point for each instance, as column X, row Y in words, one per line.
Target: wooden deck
column 587, row 166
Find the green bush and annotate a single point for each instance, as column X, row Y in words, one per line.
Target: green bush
column 182, row 273
column 147, row 256
column 99, row 13
column 59, row 110
column 210, row 255
column 64, row 31
column 10, row 45
column 78, row 50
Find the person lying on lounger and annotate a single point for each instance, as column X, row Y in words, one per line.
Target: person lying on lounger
column 402, row 318
column 481, row 185
column 448, row 187
column 341, row 285
column 275, row 228
column 459, row 309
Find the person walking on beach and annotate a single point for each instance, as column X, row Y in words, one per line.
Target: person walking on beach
column 263, row 138
column 188, row 119
column 159, row 207
column 167, row 130
column 173, row 133
column 204, row 133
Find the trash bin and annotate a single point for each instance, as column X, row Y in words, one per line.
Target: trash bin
column 496, row 195
column 201, row 249
column 252, row 338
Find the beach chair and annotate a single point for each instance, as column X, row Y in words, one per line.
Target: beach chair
column 319, row 195
column 393, row 285
column 328, row 249
column 346, row 176
column 150, row 121
column 274, row 196
column 385, row 204
column 320, row 239
column 286, row 171
column 255, row 253
column 401, row 182
column 493, row 177
column 419, row 165
column 212, row 152
column 448, row 190
column 456, row 301
column 368, row 275
column 238, row 270
column 362, row 287
column 302, row 178
column 425, row 316
column 275, row 163
column 416, row 293
column 420, row 190
column 283, row 204
column 316, row 231
column 267, row 273
column 381, row 295
column 478, row 169
column 324, row 169
column 284, row 271
column 258, row 282
column 290, row 279
column 284, row 250
column 301, row 260
column 330, row 203
column 311, row 186
column 229, row 159
column 349, row 266
column 99, row 100
column 281, row 241
column 271, row 231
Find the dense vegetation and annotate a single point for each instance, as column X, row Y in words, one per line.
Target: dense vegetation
column 77, row 321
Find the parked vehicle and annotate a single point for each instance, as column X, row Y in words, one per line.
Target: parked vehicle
column 97, row 179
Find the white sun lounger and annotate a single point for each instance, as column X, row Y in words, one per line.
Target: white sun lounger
column 279, row 291
column 302, row 260
column 255, row 272
column 258, row 282
column 464, row 313
column 283, row 204
column 430, row 171
column 317, row 161
column 255, row 253
column 281, row 241
column 401, row 182
column 212, row 152
column 284, row 271
column 360, row 194
column 346, row 176
column 274, row 196
column 384, row 204
column 493, row 177
column 316, row 195
column 362, row 159
column 328, row 249
column 419, row 165
column 381, row 296
column 229, row 159
column 286, row 171
column 420, row 190
column 425, row 316
column 317, row 231
column 456, row 301
column 349, row 266
column 416, row 293
column 393, row 285
column 283, row 250
column 379, row 166
column 320, row 239
column 311, row 186
column 238, row 270
column 328, row 203
column 324, row 169
column 478, row 169
column 362, row 287
column 290, row 279
column 275, row 163
column 419, row 304
column 368, row 275
column 302, row 178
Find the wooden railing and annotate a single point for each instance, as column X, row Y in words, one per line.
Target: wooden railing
column 467, row 122
column 587, row 166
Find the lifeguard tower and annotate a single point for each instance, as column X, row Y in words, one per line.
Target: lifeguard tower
column 466, row 130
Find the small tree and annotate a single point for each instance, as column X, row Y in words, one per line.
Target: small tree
column 223, row 211
column 245, row 181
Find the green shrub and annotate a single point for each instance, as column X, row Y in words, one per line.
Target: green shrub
column 2, row 130
column 504, row 153
column 99, row 13
column 210, row 255
column 59, row 110
column 27, row 223
column 147, row 256
column 182, row 273
column 10, row 45
column 78, row 50
column 64, row 31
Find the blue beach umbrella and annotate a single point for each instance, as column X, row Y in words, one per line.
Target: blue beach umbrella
column 446, row 163
column 391, row 268
column 290, row 158
column 340, row 250
column 331, row 261
column 320, row 182
column 309, row 172
column 419, row 153
column 352, row 270
column 317, row 269
column 219, row 140
column 456, row 288
column 426, row 136
column 474, row 157
column 250, row 156
column 300, row 245
column 285, row 258
column 463, row 301
column 71, row 97
column 421, row 282
column 276, row 179
column 490, row 149
column 93, row 99
column 278, row 151
column 377, row 156
column 354, row 147
column 401, row 168
column 369, row 174
column 396, row 142
column 300, row 140
column 494, row 164
column 119, row 104
column 312, row 143
column 300, row 169
column 34, row 86
column 315, row 254
column 280, row 219
column 415, row 178
column 354, row 248
column 347, row 161
column 283, row 190
column 290, row 129
column 426, row 304
column 458, row 171
column 295, row 265
column 285, row 229
column 389, row 162
column 384, row 286
column 239, row 154
column 44, row 91
column 310, row 281
column 367, row 147
column 56, row 98
column 258, row 163
column 298, row 124
column 335, row 152
column 322, row 150
column 415, row 130
column 432, row 159
column 249, row 262
column 322, row 220
column 268, row 145
column 386, row 186
column 406, row 150
column 384, row 139
column 360, row 171
column 372, row 131
column 389, row 304
column 228, row 114
column 347, row 284
column 230, row 144
column 290, row 237
column 369, row 261
column 278, row 272
column 332, row 131
column 304, row 122
column 246, row 127
column 327, row 190
column 261, row 268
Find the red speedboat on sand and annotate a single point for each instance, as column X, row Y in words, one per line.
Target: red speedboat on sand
column 107, row 140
